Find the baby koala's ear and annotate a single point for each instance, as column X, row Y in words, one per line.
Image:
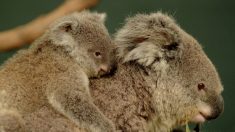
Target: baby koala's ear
column 62, row 34
column 66, row 27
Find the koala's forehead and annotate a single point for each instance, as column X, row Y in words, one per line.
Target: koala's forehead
column 90, row 31
column 93, row 33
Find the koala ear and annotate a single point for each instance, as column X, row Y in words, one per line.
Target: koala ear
column 66, row 27
column 62, row 34
column 155, row 39
column 147, row 50
column 167, row 34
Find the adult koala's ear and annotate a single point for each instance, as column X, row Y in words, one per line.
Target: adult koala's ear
column 166, row 35
column 148, row 39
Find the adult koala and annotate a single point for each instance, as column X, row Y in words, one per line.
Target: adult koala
column 163, row 80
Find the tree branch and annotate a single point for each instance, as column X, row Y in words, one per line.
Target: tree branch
column 27, row 33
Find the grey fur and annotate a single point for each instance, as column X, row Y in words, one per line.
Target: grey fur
column 155, row 87
column 54, row 72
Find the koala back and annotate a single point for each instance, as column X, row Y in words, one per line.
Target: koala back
column 125, row 97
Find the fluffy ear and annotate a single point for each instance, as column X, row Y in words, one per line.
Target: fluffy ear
column 147, row 37
column 65, row 27
column 150, row 50
column 150, row 54
column 62, row 34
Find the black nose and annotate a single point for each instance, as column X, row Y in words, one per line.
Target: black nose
column 218, row 108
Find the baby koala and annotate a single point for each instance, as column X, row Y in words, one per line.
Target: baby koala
column 54, row 72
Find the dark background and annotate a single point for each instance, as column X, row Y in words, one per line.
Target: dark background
column 211, row 22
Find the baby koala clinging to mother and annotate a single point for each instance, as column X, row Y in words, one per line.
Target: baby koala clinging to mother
column 163, row 80
column 54, row 73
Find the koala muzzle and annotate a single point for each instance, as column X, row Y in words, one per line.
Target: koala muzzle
column 104, row 69
column 217, row 106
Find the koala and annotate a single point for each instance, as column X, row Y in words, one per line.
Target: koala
column 54, row 73
column 163, row 79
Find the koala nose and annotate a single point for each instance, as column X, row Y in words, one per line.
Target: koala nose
column 218, row 108
column 103, row 69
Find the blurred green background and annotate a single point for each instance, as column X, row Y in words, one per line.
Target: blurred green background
column 211, row 22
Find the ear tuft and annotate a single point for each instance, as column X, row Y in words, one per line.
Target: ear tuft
column 101, row 17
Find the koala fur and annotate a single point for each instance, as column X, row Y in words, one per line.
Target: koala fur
column 54, row 72
column 163, row 78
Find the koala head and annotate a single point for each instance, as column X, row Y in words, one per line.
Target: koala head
column 188, row 88
column 84, row 37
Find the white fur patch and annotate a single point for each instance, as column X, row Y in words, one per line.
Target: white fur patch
column 143, row 52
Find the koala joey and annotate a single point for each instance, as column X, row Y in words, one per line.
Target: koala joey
column 163, row 79
column 55, row 72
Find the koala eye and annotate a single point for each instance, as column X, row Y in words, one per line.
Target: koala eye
column 201, row 86
column 97, row 54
